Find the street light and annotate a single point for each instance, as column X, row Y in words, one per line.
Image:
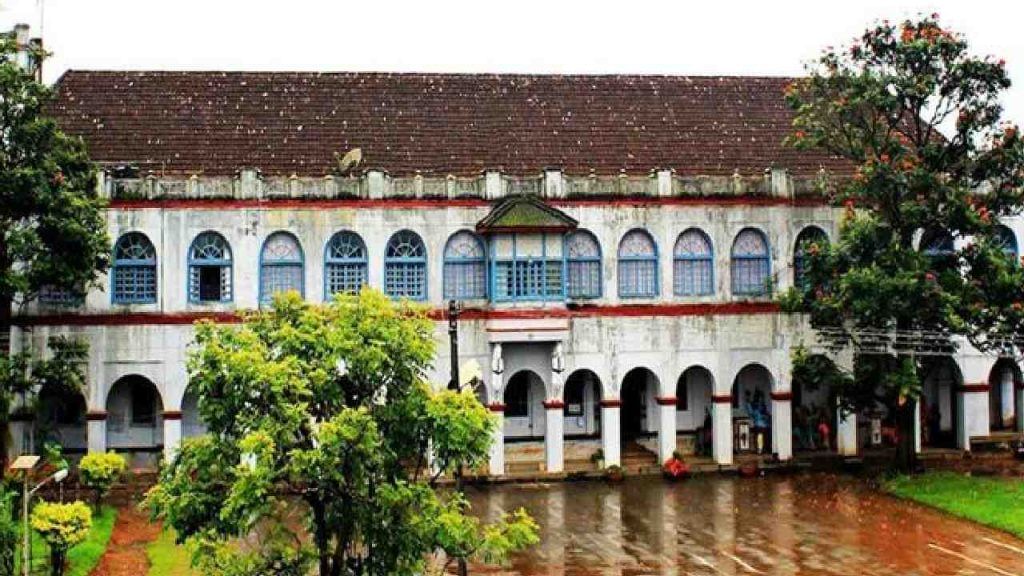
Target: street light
column 25, row 464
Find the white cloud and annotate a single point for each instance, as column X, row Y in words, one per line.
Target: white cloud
column 640, row 36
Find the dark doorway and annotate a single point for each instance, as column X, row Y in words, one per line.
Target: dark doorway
column 634, row 403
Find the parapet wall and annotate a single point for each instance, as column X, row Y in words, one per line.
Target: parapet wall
column 376, row 184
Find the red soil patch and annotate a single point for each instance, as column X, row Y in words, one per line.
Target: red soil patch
column 126, row 553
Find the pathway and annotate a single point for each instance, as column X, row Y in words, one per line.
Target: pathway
column 126, row 553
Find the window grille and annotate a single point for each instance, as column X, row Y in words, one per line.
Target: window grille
column 134, row 270
column 209, row 261
column 405, row 266
column 281, row 266
column 692, row 264
column 750, row 263
column 345, row 264
column 638, row 265
column 584, row 265
column 465, row 267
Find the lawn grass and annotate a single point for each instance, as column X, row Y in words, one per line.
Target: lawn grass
column 167, row 558
column 82, row 558
column 995, row 502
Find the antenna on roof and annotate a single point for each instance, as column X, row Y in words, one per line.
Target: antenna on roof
column 350, row 161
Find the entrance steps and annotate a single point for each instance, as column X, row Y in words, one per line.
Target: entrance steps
column 638, row 460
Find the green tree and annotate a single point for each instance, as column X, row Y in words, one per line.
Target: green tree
column 62, row 526
column 321, row 413
column 98, row 472
column 918, row 118
column 52, row 229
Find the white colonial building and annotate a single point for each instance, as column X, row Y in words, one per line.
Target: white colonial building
column 615, row 242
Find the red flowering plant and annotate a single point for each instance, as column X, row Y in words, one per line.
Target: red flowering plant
column 675, row 468
column 933, row 172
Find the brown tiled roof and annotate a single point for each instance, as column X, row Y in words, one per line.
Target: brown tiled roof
column 283, row 123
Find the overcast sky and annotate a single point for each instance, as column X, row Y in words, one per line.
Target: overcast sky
column 757, row 37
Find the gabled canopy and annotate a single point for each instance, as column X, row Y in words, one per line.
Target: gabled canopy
column 525, row 214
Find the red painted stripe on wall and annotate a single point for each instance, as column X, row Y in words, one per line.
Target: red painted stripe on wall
column 587, row 311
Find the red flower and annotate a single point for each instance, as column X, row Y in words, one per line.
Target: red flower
column 58, row 178
column 675, row 468
column 929, row 277
column 800, row 134
column 1018, row 306
column 884, row 158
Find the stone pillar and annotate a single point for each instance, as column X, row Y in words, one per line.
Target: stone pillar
column 172, row 433
column 972, row 413
column 721, row 417
column 846, row 433
column 917, row 426
column 610, row 440
column 497, row 461
column 554, row 435
column 96, row 431
column 666, row 427
column 782, row 424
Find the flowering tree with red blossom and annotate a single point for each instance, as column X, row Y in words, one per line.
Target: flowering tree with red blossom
column 920, row 248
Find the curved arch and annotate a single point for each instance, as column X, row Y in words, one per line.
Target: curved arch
column 345, row 264
column 405, row 266
column 583, row 260
column 582, row 403
column 1005, row 379
column 133, row 275
column 465, row 266
column 210, row 268
column 750, row 262
column 523, row 396
column 638, row 265
column 192, row 424
column 936, row 242
column 941, row 377
column 693, row 272
column 808, row 237
column 135, row 419
column 640, row 387
column 282, row 266
column 752, row 377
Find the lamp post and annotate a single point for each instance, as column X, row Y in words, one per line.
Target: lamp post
column 25, row 464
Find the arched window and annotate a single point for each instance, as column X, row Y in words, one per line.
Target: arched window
column 693, row 264
column 405, row 266
column 584, row 265
column 812, row 235
column 209, row 269
column 750, row 265
column 638, row 265
column 345, row 264
column 1008, row 240
column 281, row 266
column 134, row 271
column 465, row 267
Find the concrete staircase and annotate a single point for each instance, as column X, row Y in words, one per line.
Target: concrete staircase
column 637, row 459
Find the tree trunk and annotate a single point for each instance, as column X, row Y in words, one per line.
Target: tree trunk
column 320, row 536
column 906, row 449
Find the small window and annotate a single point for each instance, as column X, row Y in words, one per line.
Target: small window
column 405, row 266
column 345, row 264
column 584, row 265
column 209, row 269
column 808, row 237
column 465, row 267
column 638, row 265
column 750, row 264
column 281, row 266
column 134, row 270
column 693, row 264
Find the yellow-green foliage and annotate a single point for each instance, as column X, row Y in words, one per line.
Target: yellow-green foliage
column 99, row 471
column 62, row 525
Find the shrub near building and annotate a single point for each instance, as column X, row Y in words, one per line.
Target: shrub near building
column 62, row 526
column 99, row 471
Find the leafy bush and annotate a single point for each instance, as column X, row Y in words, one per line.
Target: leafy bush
column 61, row 526
column 8, row 532
column 99, row 472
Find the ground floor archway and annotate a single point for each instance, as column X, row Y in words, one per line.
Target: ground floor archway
column 815, row 415
column 582, row 404
column 752, row 410
column 694, row 392
column 1004, row 381
column 135, row 420
column 192, row 424
column 524, row 406
column 60, row 419
column 637, row 396
column 939, row 408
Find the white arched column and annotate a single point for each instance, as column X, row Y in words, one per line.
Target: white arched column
column 554, row 435
column 172, row 433
column 846, row 432
column 782, row 424
column 497, row 460
column 666, row 427
column 96, row 430
column 721, row 418
column 611, row 409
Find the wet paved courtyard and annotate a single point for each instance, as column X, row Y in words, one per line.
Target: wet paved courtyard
column 808, row 524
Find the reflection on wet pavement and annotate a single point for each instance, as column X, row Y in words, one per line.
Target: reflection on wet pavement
column 808, row 524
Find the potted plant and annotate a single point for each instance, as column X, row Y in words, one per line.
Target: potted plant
column 597, row 458
column 614, row 473
column 675, row 468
